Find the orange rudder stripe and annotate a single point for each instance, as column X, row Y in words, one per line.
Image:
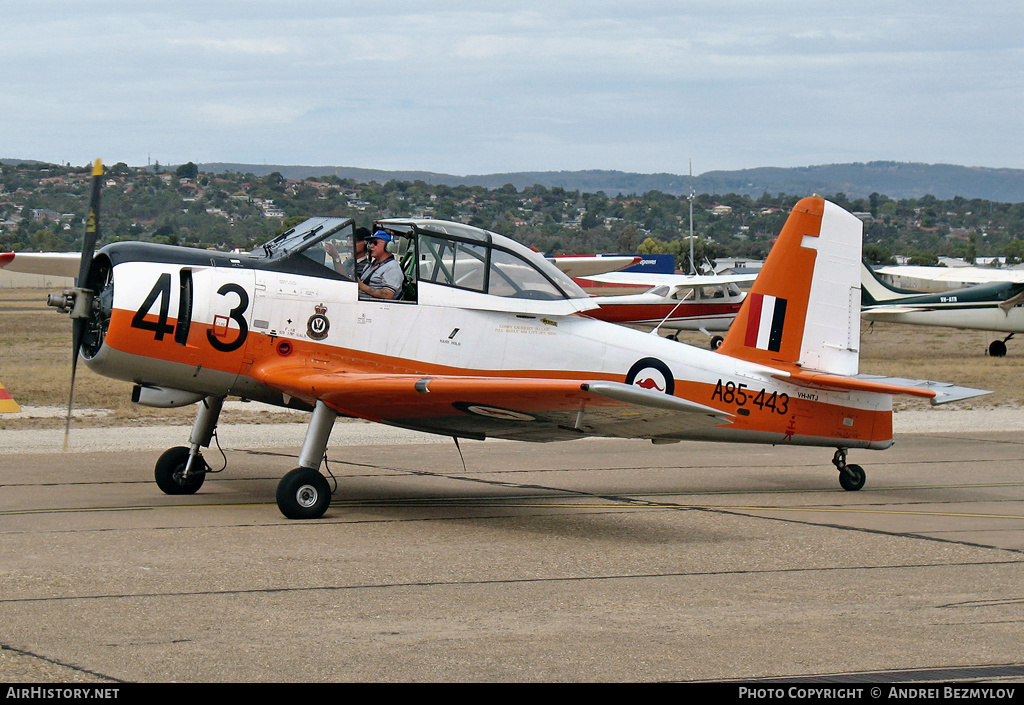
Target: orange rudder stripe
column 768, row 330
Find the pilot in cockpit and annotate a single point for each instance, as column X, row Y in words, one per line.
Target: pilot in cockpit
column 382, row 278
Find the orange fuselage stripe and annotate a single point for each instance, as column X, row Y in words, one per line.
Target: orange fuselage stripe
column 259, row 359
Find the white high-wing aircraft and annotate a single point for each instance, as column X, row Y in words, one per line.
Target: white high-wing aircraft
column 994, row 301
column 485, row 339
column 655, row 302
column 674, row 302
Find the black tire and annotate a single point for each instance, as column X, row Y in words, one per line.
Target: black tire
column 852, row 478
column 171, row 466
column 716, row 342
column 997, row 348
column 303, row 494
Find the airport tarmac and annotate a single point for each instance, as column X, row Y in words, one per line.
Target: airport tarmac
column 596, row 560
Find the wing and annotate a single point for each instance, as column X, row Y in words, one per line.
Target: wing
column 962, row 275
column 527, row 409
column 60, row 264
column 589, row 265
column 649, row 279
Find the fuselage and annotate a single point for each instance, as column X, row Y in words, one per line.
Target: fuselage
column 655, row 310
column 992, row 306
column 205, row 322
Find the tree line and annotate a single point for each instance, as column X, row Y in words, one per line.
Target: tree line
column 42, row 208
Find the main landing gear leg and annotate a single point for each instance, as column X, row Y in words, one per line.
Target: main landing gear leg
column 851, row 477
column 182, row 470
column 304, row 493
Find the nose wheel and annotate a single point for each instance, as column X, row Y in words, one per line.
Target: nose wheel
column 170, row 473
column 851, row 477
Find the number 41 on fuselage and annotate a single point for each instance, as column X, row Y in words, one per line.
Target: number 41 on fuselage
column 486, row 340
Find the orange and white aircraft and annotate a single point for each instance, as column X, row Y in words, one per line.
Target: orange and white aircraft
column 487, row 340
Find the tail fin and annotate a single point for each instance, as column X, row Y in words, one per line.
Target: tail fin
column 874, row 291
column 7, row 403
column 804, row 308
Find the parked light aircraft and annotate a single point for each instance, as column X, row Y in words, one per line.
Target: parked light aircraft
column 675, row 302
column 487, row 341
column 993, row 303
column 657, row 301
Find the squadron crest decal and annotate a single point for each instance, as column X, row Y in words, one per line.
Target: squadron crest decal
column 318, row 325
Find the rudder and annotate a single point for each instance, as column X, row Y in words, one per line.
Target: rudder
column 804, row 306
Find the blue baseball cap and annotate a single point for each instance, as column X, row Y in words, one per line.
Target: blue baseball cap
column 380, row 235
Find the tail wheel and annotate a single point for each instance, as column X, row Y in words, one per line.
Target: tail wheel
column 170, row 472
column 303, row 494
column 852, row 477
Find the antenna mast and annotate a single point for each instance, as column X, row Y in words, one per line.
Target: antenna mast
column 693, row 265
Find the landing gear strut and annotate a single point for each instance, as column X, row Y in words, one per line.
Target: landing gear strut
column 304, row 493
column 182, row 470
column 851, row 477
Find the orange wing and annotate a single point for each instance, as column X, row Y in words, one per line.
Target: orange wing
column 501, row 407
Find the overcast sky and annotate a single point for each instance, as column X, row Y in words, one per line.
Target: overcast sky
column 479, row 87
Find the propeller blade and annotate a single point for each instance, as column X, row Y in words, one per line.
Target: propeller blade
column 92, row 224
column 78, row 325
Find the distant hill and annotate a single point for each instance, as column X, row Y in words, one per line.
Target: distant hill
column 859, row 180
column 893, row 179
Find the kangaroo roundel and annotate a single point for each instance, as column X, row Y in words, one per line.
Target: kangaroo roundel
column 651, row 374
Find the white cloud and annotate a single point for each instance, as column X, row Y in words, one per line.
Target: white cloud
column 481, row 86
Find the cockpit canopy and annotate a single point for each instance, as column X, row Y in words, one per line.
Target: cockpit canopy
column 305, row 236
column 463, row 257
column 472, row 264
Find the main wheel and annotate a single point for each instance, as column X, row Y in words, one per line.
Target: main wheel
column 716, row 342
column 997, row 348
column 170, row 472
column 852, row 477
column 303, row 494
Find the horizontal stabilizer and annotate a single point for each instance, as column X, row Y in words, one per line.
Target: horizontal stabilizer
column 944, row 392
column 935, row 392
column 888, row 311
